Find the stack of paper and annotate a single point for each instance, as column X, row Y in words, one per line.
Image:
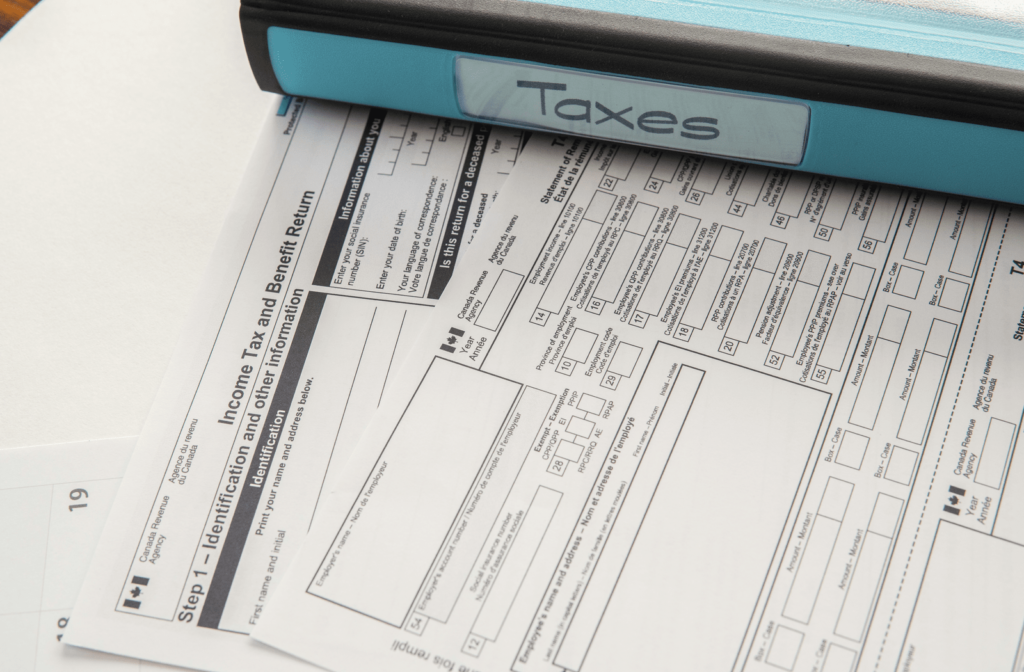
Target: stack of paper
column 457, row 398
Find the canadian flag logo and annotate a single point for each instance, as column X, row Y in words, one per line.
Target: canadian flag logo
column 453, row 338
column 954, row 500
column 137, row 583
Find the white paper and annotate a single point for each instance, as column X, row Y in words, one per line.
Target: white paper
column 347, row 226
column 53, row 502
column 124, row 133
column 692, row 421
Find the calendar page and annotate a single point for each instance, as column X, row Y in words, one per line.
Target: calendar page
column 54, row 501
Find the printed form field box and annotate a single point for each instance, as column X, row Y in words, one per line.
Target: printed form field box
column 499, row 301
column 954, row 294
column 641, row 218
column 669, row 261
column 381, row 543
column 851, row 450
column 641, row 473
column 926, row 225
column 835, row 499
column 1009, row 524
column 886, row 515
column 625, row 156
column 513, row 571
column 749, row 189
column 908, row 282
column 588, row 403
column 630, row 240
column 564, row 276
column 839, row 659
column 972, row 232
column 796, row 193
column 624, row 360
column 894, row 324
column 664, row 171
column 844, row 323
column 618, row 266
column 756, row 290
column 867, row 574
column 928, row 382
column 785, row 648
column 883, row 212
column 715, row 268
column 580, row 427
column 858, row 282
column 734, row 555
column 726, row 242
column 568, row 266
column 684, row 230
column 569, row 451
column 994, row 608
column 707, row 179
column 800, row 303
column 817, row 552
column 490, row 492
column 600, row 205
column 838, row 205
column 995, row 452
column 622, row 365
column 879, row 368
column 900, row 468
column 940, row 338
column 580, row 345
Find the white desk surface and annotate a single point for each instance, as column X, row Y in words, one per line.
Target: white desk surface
column 124, row 130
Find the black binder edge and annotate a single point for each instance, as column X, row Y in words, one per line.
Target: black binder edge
column 657, row 49
column 254, row 36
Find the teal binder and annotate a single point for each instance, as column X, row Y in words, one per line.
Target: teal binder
column 859, row 89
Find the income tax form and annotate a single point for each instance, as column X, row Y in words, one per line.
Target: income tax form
column 346, row 230
column 676, row 412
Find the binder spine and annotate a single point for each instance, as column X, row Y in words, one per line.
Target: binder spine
column 659, row 49
column 921, row 122
column 255, row 23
